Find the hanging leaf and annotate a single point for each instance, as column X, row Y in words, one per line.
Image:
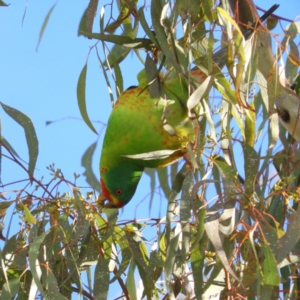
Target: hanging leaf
column 44, row 25
column 86, row 162
column 81, row 98
column 30, row 134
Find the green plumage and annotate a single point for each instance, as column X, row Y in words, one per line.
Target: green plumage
column 141, row 124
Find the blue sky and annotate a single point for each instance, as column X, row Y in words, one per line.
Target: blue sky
column 42, row 84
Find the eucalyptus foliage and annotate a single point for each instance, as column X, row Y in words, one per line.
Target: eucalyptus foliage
column 231, row 227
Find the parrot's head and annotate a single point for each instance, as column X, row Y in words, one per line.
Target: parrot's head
column 118, row 184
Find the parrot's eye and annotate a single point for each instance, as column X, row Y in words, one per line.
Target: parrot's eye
column 119, row 192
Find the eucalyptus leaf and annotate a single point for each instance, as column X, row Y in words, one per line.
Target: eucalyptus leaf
column 30, row 134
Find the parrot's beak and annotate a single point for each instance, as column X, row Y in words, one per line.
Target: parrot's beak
column 108, row 204
column 101, row 198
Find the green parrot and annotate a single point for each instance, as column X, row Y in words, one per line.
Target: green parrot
column 141, row 124
column 146, row 131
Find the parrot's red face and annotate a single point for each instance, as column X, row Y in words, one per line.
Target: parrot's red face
column 106, row 195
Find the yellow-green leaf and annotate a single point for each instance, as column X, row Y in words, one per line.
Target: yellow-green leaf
column 81, row 99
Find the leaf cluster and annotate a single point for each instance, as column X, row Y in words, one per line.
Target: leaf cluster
column 231, row 228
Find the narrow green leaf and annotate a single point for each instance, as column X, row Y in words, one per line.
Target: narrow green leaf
column 250, row 126
column 273, row 130
column 164, row 180
column 201, row 92
column 151, row 173
column 89, row 253
column 217, row 178
column 270, row 271
column 271, row 235
column 215, row 283
column 30, row 134
column 126, row 258
column 29, row 217
column 170, row 261
column 72, row 256
column 86, row 162
column 197, row 262
column 136, row 43
column 3, row 4
column 297, row 85
column 172, row 202
column 153, row 155
column 9, row 250
column 285, row 273
column 10, row 288
column 229, row 176
column 78, row 204
column 81, row 98
column 207, row 8
column 102, row 16
column 4, row 205
column 190, row 10
column 276, row 208
column 118, row 75
column 185, row 214
column 9, row 146
column 90, row 15
column 112, row 218
column 139, row 254
column 291, row 68
column 116, row 55
column 83, row 21
column 34, row 252
column 251, row 164
column 200, row 229
column 227, row 18
column 108, row 85
column 146, row 26
column 212, row 230
column 52, row 286
column 209, row 120
column 154, row 85
column 64, row 229
column 266, row 292
column 130, row 282
column 155, row 264
column 156, row 14
column 101, row 282
column 289, row 240
column 27, row 284
column 44, row 25
column 224, row 87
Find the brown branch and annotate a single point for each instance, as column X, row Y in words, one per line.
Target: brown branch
column 84, row 293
